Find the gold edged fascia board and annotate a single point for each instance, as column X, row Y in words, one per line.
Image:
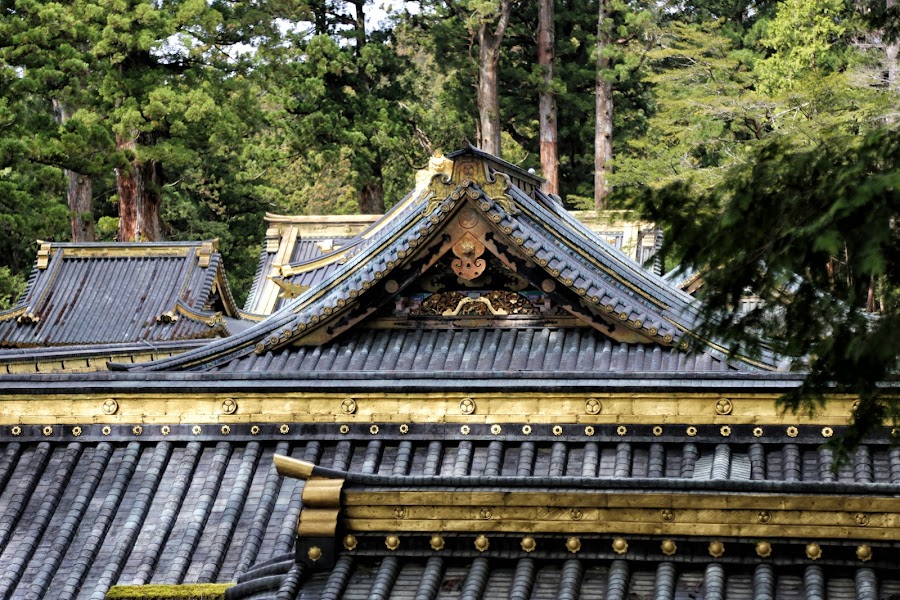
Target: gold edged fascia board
column 80, row 364
column 666, row 410
column 321, row 497
column 316, row 219
column 158, row 591
column 209, row 319
column 717, row 347
column 249, row 316
column 292, row 467
column 579, row 511
column 43, row 254
column 204, row 254
column 592, row 261
column 289, row 290
column 127, row 251
column 14, row 313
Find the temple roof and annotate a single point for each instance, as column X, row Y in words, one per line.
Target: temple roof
column 81, row 513
column 523, row 242
column 95, row 293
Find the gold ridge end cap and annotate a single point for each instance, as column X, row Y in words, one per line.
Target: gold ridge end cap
column 291, row 467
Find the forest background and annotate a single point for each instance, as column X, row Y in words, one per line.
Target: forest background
column 189, row 119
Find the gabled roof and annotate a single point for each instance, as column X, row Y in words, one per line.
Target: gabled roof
column 101, row 293
column 292, row 240
column 467, row 208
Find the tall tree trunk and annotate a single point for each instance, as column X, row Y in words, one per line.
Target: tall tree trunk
column 892, row 57
column 80, row 192
column 371, row 195
column 547, row 99
column 603, row 114
column 81, row 206
column 138, row 187
column 488, row 79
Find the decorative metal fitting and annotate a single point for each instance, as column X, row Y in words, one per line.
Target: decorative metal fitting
column 392, row 542
column 284, row 429
column 813, row 551
column 400, row 512
column 165, row 430
column 528, row 544
column 620, row 546
column 526, row 429
column 621, row 430
column 763, row 549
column 716, row 549
column 345, row 429
column 668, row 547
column 196, row 429
column 485, row 513
column 557, row 430
column 657, row 431
column 314, row 553
column 692, row 431
column 106, row 430
column 724, row 406
column 465, row 429
column 482, row 543
column 16, row 430
column 350, row 542
column 254, row 430
column 404, row 428
column 229, row 406
column 592, row 406
column 348, row 406
column 467, row 406
column 47, row 430
column 576, row 514
column 110, row 406
column 864, row 553
column 757, row 432
column 827, row 432
column 76, row 431
column 668, row 515
column 764, row 517
column 225, row 429
column 573, row 545
column 373, row 429
column 792, row 431
column 137, row 430
column 862, row 519
column 725, row 430
column 495, row 429
column 437, row 542
column 589, row 430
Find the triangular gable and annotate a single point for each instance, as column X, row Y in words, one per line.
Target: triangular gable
column 467, row 209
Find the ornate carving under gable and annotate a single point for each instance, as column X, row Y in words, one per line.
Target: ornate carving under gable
column 468, row 171
column 467, row 264
column 492, row 303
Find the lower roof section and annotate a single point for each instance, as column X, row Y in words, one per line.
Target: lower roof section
column 443, row 578
column 509, row 351
column 191, row 504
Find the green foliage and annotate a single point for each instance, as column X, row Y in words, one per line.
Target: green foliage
column 11, row 287
column 813, row 231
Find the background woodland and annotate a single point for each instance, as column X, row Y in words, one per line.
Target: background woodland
column 189, row 119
